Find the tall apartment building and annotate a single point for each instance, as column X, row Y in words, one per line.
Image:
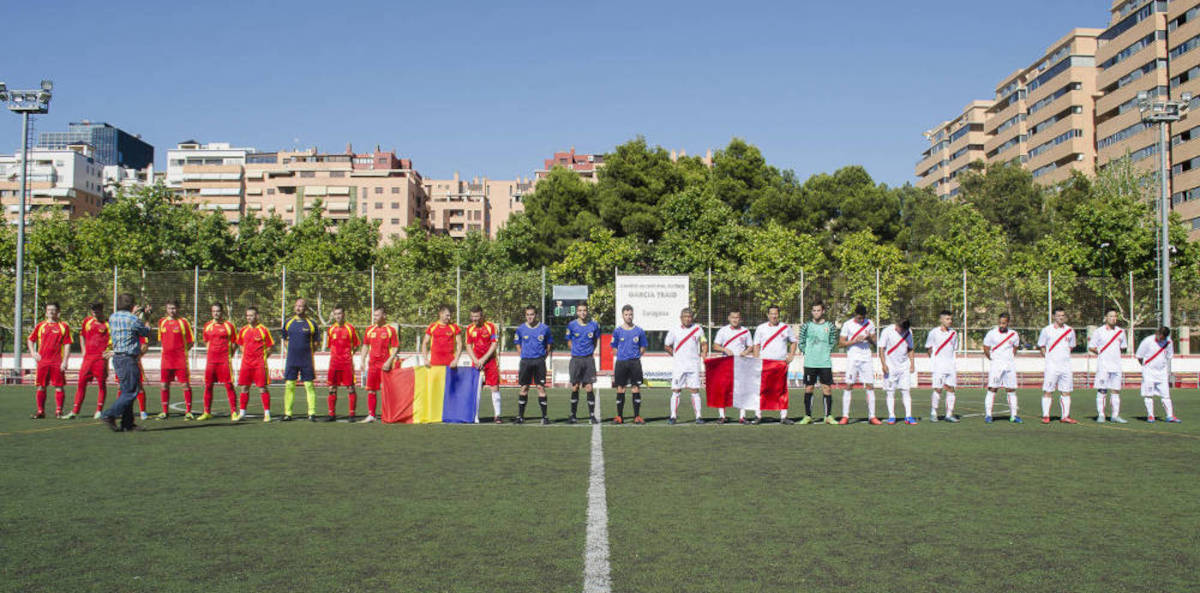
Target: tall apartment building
column 70, row 180
column 458, row 206
column 953, row 145
column 1183, row 51
column 210, row 175
column 112, row 145
column 585, row 165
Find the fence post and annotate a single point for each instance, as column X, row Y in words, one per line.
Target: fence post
column 877, row 297
column 114, row 309
column 36, row 282
column 458, row 295
column 1132, row 321
column 283, row 297
column 962, row 344
column 710, row 319
column 372, row 292
column 543, row 311
column 1049, row 296
column 800, row 319
column 195, row 314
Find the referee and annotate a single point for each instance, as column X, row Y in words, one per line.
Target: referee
column 533, row 345
column 581, row 339
column 126, row 328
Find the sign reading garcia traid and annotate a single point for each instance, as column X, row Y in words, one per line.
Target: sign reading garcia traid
column 656, row 300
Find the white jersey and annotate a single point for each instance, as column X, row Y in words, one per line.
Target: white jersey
column 735, row 340
column 1109, row 343
column 896, row 347
column 1003, row 348
column 1154, row 356
column 941, row 344
column 1058, row 342
column 774, row 340
column 685, row 342
column 862, row 350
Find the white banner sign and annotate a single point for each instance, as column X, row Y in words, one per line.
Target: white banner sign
column 656, row 300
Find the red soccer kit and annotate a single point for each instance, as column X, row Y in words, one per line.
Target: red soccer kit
column 50, row 337
column 218, row 336
column 380, row 340
column 256, row 343
column 94, row 334
column 343, row 339
column 441, row 342
column 480, row 340
column 175, row 336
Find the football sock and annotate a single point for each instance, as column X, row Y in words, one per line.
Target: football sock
column 542, row 404
column 187, row 399
column 141, row 397
column 906, row 397
column 165, row 396
column 950, row 398
column 846, row 403
column 741, row 413
column 1149, row 401
column 78, row 400
column 60, row 397
column 890, row 399
column 495, row 403
column 353, row 397
column 373, row 401
column 208, row 397
column 783, row 413
column 574, row 402
column 696, row 404
column 620, row 403
column 331, row 402
column 1168, row 406
column 591, row 401
column 1012, row 404
column 871, row 403
column 934, row 398
column 310, row 392
column 721, row 412
column 1116, row 404
column 1064, row 404
column 988, row 401
column 828, row 401
column 637, row 403
column 808, row 397
column 289, row 397
column 1100, row 404
column 522, row 400
column 232, row 395
column 266, row 400
column 674, row 403
column 244, row 400
column 102, row 393
column 1045, row 407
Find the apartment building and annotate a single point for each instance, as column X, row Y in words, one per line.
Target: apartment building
column 70, row 180
column 210, row 175
column 1183, row 51
column 585, row 165
column 953, row 145
column 458, row 206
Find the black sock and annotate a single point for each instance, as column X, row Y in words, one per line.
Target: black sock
column 574, row 402
column 808, row 404
column 828, row 404
column 521, row 401
column 637, row 403
column 620, row 404
column 591, row 399
column 542, row 404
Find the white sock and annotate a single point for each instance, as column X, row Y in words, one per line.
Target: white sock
column 721, row 411
column 988, row 400
column 674, row 402
column 477, row 407
column 846, row 403
column 741, row 413
column 1012, row 405
column 1168, row 406
column 782, row 414
column 1100, row 405
column 1116, row 404
column 890, row 398
column 1045, row 406
column 1064, row 404
column 933, row 403
column 696, row 403
column 870, row 403
column 906, row 397
column 496, row 402
column 1149, row 406
column 950, row 403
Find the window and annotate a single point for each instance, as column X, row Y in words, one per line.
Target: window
column 395, row 205
column 1185, row 47
column 395, row 190
column 379, row 205
column 270, row 191
column 337, row 173
column 379, row 190
column 308, row 174
column 1133, row 48
column 395, row 221
column 1122, row 135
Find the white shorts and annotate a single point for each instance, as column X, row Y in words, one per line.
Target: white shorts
column 860, row 371
column 1058, row 380
column 1155, row 387
column 1005, row 378
column 1107, row 381
column 901, row 380
column 945, row 380
column 685, row 380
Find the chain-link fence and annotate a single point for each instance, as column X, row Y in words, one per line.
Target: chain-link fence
column 411, row 301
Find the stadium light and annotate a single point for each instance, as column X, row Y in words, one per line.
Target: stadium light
column 1163, row 112
column 25, row 102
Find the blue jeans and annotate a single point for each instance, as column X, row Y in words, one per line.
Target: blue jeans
column 130, row 375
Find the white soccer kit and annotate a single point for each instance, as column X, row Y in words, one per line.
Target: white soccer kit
column 860, row 368
column 1155, row 359
column 735, row 340
column 1109, row 343
column 685, row 372
column 896, row 349
column 941, row 344
column 1058, row 342
column 773, row 340
column 1002, row 373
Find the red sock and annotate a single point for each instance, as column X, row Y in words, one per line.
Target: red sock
column 266, row 400
column 101, row 392
column 232, row 395
column 78, row 399
column 353, row 401
column 59, row 397
column 165, row 394
column 187, row 399
column 208, row 398
column 41, row 400
column 332, row 402
column 371, row 401
column 245, row 400
column 142, row 400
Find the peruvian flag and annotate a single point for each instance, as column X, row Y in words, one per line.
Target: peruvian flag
column 746, row 383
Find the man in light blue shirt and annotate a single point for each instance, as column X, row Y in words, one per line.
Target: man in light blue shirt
column 126, row 328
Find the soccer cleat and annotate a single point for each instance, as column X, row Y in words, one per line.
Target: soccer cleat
column 844, row 421
column 69, row 416
column 875, row 421
column 618, row 420
column 757, row 420
column 286, row 418
column 1045, row 420
column 1015, row 420
column 545, row 421
column 830, row 420
column 1174, row 420
column 910, row 420
column 330, row 418
column 671, row 420
column 1150, row 419
column 572, row 420
column 266, row 415
column 495, row 419
column 806, row 420
column 951, row 419
column 1119, row 420
column 891, row 420
column 722, row 420
column 369, row 419
column 234, row 417
column 594, row 420
column 189, row 416
column 933, row 417
column 37, row 416
column 161, row 416
column 786, row 421
column 1068, row 420
column 638, row 420
column 987, row 419
column 1099, row 419
column 699, row 421
column 312, row 418
column 97, row 415
column 519, row 420
column 204, row 416
column 144, row 415
column 350, row 418
column 743, row 420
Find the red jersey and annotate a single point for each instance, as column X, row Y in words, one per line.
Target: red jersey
column 256, row 342
column 441, row 342
column 175, row 335
column 218, row 336
column 343, row 339
column 50, row 337
column 380, row 339
column 94, row 334
column 480, row 339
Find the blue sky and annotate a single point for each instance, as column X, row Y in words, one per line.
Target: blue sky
column 493, row 88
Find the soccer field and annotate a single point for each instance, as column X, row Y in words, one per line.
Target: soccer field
column 336, row 507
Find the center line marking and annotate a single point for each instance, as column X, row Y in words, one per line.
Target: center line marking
column 596, row 577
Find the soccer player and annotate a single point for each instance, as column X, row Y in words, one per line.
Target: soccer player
column 1000, row 347
column 629, row 342
column 255, row 341
column 733, row 340
column 774, row 340
column 342, row 339
column 941, row 343
column 895, row 347
column 1154, row 354
column 219, row 335
column 300, row 338
column 581, row 340
column 1106, row 343
column 50, row 344
column 93, row 336
column 1055, row 343
column 379, row 346
column 857, row 337
column 687, row 346
column 175, row 336
column 442, row 345
column 816, row 342
column 483, row 341
column 533, row 345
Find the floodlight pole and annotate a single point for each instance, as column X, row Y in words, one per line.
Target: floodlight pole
column 1164, row 112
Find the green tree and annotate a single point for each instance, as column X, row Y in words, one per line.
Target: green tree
column 593, row 262
column 632, row 182
column 858, row 257
column 1006, row 195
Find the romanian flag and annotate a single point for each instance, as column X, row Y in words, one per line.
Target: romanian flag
column 423, row 395
column 746, row 383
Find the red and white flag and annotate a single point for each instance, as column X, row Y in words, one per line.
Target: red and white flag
column 746, row 383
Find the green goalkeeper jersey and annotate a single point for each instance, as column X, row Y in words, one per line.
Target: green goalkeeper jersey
column 816, row 342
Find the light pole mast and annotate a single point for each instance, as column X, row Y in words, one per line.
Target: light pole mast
column 1164, row 112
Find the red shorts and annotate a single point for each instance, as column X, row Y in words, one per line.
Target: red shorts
column 252, row 375
column 341, row 376
column 491, row 373
column 168, row 375
column 217, row 372
column 50, row 373
column 375, row 376
column 93, row 368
